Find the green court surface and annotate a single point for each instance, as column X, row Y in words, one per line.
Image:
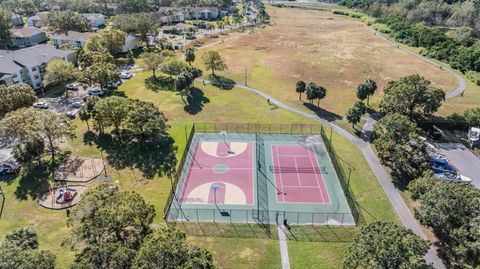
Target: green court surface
column 258, row 178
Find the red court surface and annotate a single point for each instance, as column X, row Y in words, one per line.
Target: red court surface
column 298, row 175
column 220, row 173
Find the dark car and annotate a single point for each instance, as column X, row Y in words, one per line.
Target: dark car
column 433, row 132
column 9, row 168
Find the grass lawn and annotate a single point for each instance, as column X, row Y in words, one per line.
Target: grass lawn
column 235, row 105
column 211, row 105
column 319, row 46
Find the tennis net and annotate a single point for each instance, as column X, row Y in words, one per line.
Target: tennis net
column 296, row 170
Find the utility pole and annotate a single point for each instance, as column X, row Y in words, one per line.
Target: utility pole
column 245, row 77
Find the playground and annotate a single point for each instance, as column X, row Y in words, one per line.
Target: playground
column 79, row 169
column 258, row 177
column 61, row 197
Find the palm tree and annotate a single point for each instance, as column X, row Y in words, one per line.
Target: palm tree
column 300, row 88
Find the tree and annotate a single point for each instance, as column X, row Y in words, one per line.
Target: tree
column 64, row 21
column 111, row 112
column 139, row 23
column 5, row 20
column 213, row 61
column 452, row 211
column 23, row 237
column 190, row 56
column 30, row 150
column 315, row 91
column 422, row 185
column 108, row 216
column 355, row 113
column 146, row 121
column 311, row 91
column 113, row 40
column 411, row 96
column 101, row 73
column 399, row 146
column 320, row 93
column 22, row 124
column 300, row 88
column 84, row 115
column 366, row 89
column 104, row 256
column 19, row 249
column 168, row 248
column 59, row 71
column 16, row 96
column 87, row 58
column 386, row 245
column 109, row 40
column 151, row 61
column 172, row 66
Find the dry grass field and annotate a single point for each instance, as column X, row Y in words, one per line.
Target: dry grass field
column 336, row 52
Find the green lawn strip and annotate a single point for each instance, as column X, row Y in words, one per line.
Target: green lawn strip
column 322, row 255
column 242, row 253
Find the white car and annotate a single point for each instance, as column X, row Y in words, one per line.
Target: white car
column 126, row 75
column 455, row 177
column 42, row 105
column 72, row 86
column 77, row 104
column 95, row 92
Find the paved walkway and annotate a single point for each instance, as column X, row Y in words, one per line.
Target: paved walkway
column 282, row 240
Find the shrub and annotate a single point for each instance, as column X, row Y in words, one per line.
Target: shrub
column 382, row 28
column 474, row 77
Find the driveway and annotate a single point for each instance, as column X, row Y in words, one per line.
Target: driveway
column 463, row 159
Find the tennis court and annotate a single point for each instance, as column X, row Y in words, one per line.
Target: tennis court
column 258, row 178
column 298, row 175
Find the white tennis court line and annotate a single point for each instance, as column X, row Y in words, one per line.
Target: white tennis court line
column 315, row 173
column 289, row 155
column 281, row 180
column 229, row 168
column 298, row 175
column 318, row 183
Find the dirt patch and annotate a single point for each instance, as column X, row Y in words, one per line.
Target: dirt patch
column 336, row 52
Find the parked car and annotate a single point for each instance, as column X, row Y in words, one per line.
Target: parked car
column 73, row 86
column 71, row 114
column 126, row 75
column 434, row 132
column 9, row 168
column 441, row 165
column 95, row 92
column 77, row 104
column 455, row 177
column 42, row 105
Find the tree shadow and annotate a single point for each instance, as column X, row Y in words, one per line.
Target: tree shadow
column 155, row 157
column 221, row 82
column 35, row 181
column 322, row 113
column 89, row 138
column 195, row 101
column 160, row 83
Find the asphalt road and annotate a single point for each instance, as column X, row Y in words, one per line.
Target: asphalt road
column 463, row 159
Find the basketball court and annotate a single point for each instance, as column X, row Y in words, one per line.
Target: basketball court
column 245, row 177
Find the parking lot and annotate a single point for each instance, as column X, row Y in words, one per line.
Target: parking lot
column 71, row 102
column 463, row 159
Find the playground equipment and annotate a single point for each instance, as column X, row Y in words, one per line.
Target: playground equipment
column 474, row 136
column 61, row 196
column 65, row 195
